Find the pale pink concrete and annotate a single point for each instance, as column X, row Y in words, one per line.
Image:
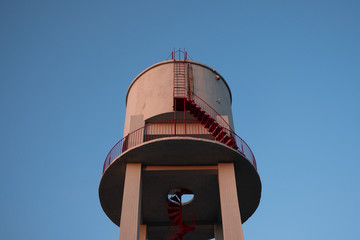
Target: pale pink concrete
column 130, row 214
column 230, row 211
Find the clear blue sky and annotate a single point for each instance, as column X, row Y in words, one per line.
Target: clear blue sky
column 294, row 71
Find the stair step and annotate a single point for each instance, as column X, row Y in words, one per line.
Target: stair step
column 192, row 108
column 217, row 130
column 209, row 122
column 173, row 215
column 200, row 114
column 205, row 118
column 176, row 221
column 213, row 126
column 226, row 139
column 188, row 104
column 220, row 135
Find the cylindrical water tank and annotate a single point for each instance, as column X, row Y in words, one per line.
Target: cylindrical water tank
column 150, row 94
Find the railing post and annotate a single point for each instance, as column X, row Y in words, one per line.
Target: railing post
column 185, row 116
column 175, row 117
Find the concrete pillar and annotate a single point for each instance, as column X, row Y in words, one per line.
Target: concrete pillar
column 130, row 214
column 230, row 211
column 142, row 232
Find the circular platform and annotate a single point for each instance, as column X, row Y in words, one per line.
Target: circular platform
column 180, row 151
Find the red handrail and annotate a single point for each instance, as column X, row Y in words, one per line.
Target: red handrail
column 165, row 129
column 206, row 107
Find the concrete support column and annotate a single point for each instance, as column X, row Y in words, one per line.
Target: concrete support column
column 142, row 232
column 230, row 211
column 130, row 214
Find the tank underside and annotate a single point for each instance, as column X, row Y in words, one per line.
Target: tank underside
column 180, row 151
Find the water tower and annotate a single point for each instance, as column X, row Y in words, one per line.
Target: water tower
column 180, row 171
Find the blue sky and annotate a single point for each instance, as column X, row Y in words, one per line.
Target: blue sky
column 293, row 67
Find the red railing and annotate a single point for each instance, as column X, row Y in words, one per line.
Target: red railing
column 191, row 96
column 176, row 55
column 170, row 128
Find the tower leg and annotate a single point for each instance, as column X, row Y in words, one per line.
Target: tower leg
column 130, row 214
column 230, row 211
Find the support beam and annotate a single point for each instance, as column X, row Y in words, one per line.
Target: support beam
column 177, row 168
column 230, row 211
column 130, row 213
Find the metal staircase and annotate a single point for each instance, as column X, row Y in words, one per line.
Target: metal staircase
column 186, row 100
column 220, row 132
column 180, row 223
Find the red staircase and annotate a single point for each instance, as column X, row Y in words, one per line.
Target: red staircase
column 220, row 132
column 186, row 100
column 180, row 223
